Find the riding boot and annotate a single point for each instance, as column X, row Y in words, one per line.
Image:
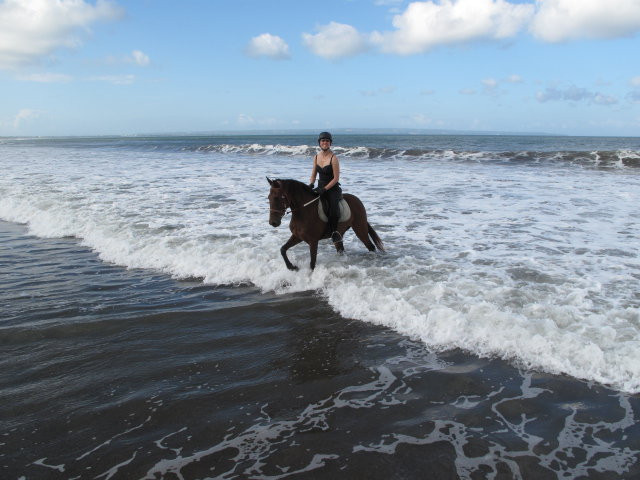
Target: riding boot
column 333, row 228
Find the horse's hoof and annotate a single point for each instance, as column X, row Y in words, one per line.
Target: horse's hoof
column 293, row 268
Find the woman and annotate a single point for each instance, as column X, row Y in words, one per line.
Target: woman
column 327, row 167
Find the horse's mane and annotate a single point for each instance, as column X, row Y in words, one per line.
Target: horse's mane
column 294, row 188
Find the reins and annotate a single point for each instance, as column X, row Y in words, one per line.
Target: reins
column 288, row 206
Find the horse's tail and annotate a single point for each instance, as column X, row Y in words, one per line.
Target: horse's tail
column 374, row 236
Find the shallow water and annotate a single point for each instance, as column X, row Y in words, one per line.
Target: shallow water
column 149, row 328
column 115, row 373
column 522, row 248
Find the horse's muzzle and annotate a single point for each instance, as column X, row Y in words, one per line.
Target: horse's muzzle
column 275, row 222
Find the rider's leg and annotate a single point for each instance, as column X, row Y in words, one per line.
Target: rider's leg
column 334, row 214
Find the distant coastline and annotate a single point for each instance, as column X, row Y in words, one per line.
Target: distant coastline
column 309, row 132
column 362, row 131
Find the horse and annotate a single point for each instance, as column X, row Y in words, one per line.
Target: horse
column 306, row 224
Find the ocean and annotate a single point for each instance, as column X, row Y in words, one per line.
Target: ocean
column 150, row 329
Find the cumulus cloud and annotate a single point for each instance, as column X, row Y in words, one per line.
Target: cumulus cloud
column 574, row 94
column 560, row 20
column 635, row 81
column 34, row 29
column 425, row 25
column 336, row 40
column 267, row 45
column 514, row 79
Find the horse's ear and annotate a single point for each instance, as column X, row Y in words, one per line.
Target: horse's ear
column 270, row 181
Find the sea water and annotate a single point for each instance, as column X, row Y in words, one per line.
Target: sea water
column 520, row 248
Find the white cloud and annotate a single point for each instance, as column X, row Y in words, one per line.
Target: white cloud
column 336, row 40
column 34, row 29
column 490, row 83
column 602, row 99
column 635, row 81
column 425, row 25
column 560, row 20
column 25, row 115
column 115, row 79
column 574, row 94
column 514, row 79
column 140, row 58
column 420, row 119
column 136, row 57
column 267, row 45
column 46, row 78
column 244, row 120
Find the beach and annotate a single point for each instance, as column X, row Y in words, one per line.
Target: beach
column 151, row 330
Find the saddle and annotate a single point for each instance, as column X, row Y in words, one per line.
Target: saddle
column 343, row 207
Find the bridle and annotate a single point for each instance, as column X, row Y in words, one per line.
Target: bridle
column 285, row 202
column 282, row 212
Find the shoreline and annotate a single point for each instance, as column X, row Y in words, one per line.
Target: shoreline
column 131, row 371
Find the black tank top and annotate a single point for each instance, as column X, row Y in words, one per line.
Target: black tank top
column 325, row 173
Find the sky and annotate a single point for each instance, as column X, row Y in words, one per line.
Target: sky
column 120, row 67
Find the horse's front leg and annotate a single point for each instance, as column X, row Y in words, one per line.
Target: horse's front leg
column 293, row 240
column 313, row 251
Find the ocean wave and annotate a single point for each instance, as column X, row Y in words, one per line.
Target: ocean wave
column 604, row 159
column 535, row 266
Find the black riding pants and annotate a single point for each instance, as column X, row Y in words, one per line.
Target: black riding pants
column 333, row 196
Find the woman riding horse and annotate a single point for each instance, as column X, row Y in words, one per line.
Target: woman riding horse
column 327, row 166
column 306, row 225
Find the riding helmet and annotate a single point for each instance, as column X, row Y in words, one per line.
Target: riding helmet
column 325, row 135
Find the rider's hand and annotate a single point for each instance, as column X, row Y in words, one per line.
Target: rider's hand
column 318, row 190
column 311, row 186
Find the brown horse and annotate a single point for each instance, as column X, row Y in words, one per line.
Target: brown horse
column 306, row 224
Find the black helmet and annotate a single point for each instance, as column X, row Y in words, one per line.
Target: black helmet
column 325, row 135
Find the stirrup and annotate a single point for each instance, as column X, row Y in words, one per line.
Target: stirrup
column 336, row 237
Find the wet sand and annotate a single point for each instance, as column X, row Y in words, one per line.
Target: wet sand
column 113, row 373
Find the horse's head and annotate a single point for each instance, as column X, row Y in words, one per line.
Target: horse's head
column 278, row 203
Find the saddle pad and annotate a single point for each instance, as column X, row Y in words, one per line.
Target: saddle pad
column 345, row 211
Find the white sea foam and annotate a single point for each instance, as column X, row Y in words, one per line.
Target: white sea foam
column 536, row 264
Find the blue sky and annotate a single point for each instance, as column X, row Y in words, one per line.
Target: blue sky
column 81, row 67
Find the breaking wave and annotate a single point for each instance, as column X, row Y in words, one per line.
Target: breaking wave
column 597, row 159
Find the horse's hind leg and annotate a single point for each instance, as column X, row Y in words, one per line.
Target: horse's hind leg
column 293, row 240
